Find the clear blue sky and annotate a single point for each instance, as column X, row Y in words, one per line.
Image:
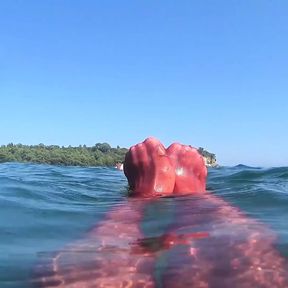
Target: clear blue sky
column 206, row 73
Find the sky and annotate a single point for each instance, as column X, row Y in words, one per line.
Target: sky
column 209, row 73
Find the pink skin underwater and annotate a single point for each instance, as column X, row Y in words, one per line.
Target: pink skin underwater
column 108, row 256
column 210, row 243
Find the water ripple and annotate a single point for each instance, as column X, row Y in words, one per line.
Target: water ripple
column 43, row 207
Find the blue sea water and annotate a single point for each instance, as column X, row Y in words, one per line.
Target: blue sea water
column 43, row 207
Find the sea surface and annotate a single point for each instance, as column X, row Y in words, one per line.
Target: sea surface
column 43, row 207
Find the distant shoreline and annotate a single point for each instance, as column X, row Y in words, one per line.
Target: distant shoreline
column 101, row 154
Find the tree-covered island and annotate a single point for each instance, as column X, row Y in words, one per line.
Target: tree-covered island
column 101, row 154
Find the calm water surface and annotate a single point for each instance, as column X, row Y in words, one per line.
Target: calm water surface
column 42, row 208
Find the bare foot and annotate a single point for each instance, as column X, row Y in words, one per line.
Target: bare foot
column 149, row 170
column 189, row 167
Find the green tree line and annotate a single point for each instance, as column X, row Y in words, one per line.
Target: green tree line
column 101, row 154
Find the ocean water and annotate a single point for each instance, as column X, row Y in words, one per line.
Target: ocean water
column 43, row 208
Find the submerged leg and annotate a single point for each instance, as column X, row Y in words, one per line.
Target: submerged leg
column 107, row 257
column 237, row 252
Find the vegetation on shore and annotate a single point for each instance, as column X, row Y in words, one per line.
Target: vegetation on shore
column 101, row 154
column 210, row 158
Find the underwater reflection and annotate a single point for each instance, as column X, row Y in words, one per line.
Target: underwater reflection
column 205, row 241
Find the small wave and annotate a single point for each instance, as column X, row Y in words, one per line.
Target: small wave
column 44, row 206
